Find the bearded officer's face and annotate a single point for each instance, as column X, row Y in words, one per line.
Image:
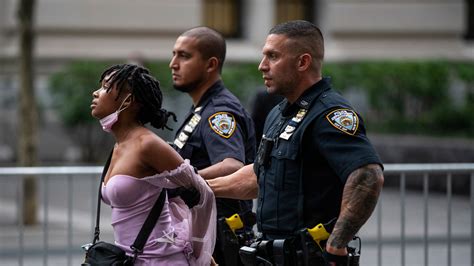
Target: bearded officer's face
column 188, row 68
column 278, row 65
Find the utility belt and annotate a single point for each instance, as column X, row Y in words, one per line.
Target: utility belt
column 305, row 248
column 235, row 232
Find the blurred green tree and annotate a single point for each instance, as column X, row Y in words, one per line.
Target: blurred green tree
column 71, row 89
column 403, row 97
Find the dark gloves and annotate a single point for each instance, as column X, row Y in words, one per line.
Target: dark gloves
column 190, row 196
column 334, row 260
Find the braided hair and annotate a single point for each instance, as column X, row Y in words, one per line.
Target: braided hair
column 145, row 90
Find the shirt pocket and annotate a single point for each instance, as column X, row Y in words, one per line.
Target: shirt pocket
column 286, row 165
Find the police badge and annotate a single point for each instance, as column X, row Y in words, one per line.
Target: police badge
column 345, row 120
column 223, row 123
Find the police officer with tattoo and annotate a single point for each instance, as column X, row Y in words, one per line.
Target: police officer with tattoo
column 217, row 135
column 317, row 177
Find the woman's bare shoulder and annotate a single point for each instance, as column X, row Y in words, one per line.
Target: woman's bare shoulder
column 158, row 153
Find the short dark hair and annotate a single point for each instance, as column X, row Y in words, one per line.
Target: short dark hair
column 307, row 37
column 145, row 89
column 210, row 43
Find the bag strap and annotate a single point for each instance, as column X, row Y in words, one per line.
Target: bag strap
column 99, row 198
column 147, row 226
column 149, row 223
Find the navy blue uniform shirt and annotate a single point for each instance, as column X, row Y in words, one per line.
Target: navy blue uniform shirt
column 316, row 142
column 217, row 128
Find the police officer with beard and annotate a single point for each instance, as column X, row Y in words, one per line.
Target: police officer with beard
column 314, row 163
column 217, row 135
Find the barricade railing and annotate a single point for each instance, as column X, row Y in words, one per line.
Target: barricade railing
column 448, row 171
column 72, row 181
column 50, row 181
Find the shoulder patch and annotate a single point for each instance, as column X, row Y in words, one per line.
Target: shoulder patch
column 346, row 120
column 223, row 123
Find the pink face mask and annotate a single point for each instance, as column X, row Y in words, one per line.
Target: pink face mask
column 108, row 121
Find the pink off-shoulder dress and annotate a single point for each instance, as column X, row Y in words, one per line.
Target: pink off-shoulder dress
column 182, row 236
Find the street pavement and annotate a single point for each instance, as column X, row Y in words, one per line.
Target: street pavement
column 62, row 246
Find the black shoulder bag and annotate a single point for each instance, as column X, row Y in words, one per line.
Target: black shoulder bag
column 100, row 253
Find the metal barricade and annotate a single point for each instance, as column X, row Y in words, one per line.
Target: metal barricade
column 449, row 171
column 11, row 181
column 73, row 179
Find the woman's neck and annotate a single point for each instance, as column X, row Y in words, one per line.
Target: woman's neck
column 123, row 133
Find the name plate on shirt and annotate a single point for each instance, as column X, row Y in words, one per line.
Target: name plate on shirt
column 187, row 131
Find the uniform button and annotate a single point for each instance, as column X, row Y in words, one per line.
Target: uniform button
column 279, row 153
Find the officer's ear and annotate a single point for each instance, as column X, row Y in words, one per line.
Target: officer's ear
column 304, row 62
column 212, row 64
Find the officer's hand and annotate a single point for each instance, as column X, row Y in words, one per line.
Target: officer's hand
column 334, row 260
column 190, row 196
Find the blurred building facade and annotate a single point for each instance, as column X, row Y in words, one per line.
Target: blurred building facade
column 122, row 29
column 69, row 29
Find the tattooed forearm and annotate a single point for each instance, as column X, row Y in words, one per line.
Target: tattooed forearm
column 359, row 198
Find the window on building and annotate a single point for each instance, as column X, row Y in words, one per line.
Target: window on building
column 469, row 20
column 224, row 16
column 294, row 9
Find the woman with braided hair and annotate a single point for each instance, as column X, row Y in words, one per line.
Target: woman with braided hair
column 142, row 164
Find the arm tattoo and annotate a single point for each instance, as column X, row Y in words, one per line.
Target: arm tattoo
column 359, row 198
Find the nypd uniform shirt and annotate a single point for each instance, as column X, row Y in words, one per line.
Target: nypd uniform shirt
column 217, row 128
column 316, row 143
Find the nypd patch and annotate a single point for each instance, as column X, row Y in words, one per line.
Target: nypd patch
column 345, row 120
column 223, row 123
